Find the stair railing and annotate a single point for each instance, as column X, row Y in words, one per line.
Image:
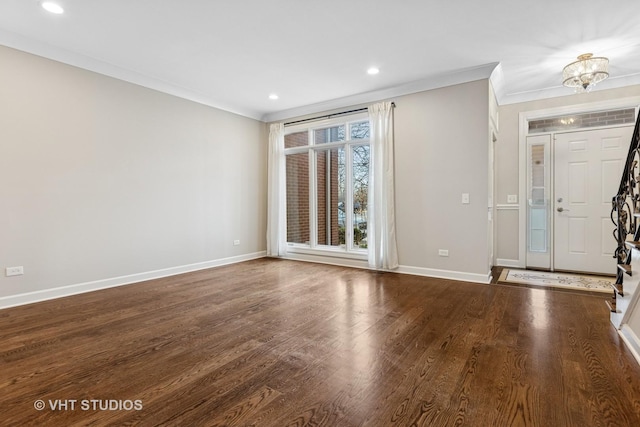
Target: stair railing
column 625, row 205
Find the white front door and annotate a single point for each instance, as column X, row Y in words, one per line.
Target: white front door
column 588, row 166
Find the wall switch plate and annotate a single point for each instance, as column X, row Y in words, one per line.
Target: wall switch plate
column 443, row 252
column 465, row 198
column 14, row 271
column 236, row 242
column 512, row 198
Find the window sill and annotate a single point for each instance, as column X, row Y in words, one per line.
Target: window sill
column 328, row 252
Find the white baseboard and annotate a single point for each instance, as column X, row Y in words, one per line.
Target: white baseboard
column 321, row 259
column 444, row 274
column 80, row 288
column 403, row 269
column 513, row 263
column 631, row 340
column 64, row 291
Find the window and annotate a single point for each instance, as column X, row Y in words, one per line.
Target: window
column 537, row 199
column 327, row 185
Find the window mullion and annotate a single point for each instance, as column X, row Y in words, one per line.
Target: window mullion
column 328, row 197
column 330, row 145
column 313, row 199
column 348, row 191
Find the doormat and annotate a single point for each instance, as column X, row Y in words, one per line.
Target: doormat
column 564, row 281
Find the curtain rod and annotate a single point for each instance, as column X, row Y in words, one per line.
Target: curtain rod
column 328, row 116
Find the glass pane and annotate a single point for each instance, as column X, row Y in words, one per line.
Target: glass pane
column 537, row 165
column 332, row 134
column 359, row 130
column 330, row 169
column 586, row 120
column 537, row 229
column 537, row 196
column 360, row 195
column 537, row 175
column 298, row 139
column 298, row 198
column 538, row 209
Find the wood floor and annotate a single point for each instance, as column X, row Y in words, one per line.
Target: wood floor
column 283, row 343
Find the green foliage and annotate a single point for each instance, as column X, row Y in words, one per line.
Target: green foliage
column 358, row 235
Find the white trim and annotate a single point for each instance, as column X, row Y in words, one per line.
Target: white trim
column 80, row 288
column 631, row 340
column 433, row 82
column 327, row 251
column 560, row 91
column 84, row 62
column 45, row 50
column 491, row 71
column 443, row 274
column 523, row 132
column 508, row 207
column 403, row 269
column 328, row 259
column 587, row 107
column 312, row 149
column 513, row 263
column 632, row 305
column 323, row 123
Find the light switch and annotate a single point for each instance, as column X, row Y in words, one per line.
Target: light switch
column 465, row 198
column 512, row 198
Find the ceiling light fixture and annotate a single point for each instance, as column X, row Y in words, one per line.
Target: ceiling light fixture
column 273, row 96
column 373, row 71
column 52, row 7
column 584, row 73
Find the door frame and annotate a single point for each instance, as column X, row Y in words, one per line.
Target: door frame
column 523, row 133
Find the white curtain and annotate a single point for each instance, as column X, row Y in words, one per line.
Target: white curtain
column 276, row 196
column 381, row 230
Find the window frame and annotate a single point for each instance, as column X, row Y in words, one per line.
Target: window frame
column 312, row 149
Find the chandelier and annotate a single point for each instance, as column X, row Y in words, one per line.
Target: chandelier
column 584, row 73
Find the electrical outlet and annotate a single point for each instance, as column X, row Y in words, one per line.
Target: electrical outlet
column 512, row 198
column 236, row 242
column 14, row 271
column 443, row 252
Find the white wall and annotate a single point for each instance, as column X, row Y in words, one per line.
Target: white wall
column 100, row 178
column 507, row 167
column 103, row 182
column 441, row 151
column 441, row 140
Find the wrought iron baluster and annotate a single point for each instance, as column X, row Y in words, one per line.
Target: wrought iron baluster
column 623, row 207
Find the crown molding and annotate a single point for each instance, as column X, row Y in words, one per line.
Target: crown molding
column 558, row 91
column 18, row 42
column 434, row 82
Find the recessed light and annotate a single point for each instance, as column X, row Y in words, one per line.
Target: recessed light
column 52, row 7
column 273, row 96
column 373, row 71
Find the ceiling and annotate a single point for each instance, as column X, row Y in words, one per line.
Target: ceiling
column 315, row 54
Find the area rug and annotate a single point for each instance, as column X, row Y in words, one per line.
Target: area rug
column 565, row 281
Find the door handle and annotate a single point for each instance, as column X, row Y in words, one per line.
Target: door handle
column 561, row 209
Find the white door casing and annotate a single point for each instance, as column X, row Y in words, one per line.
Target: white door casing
column 587, row 170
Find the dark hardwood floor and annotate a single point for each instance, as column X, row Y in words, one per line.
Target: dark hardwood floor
column 282, row 343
